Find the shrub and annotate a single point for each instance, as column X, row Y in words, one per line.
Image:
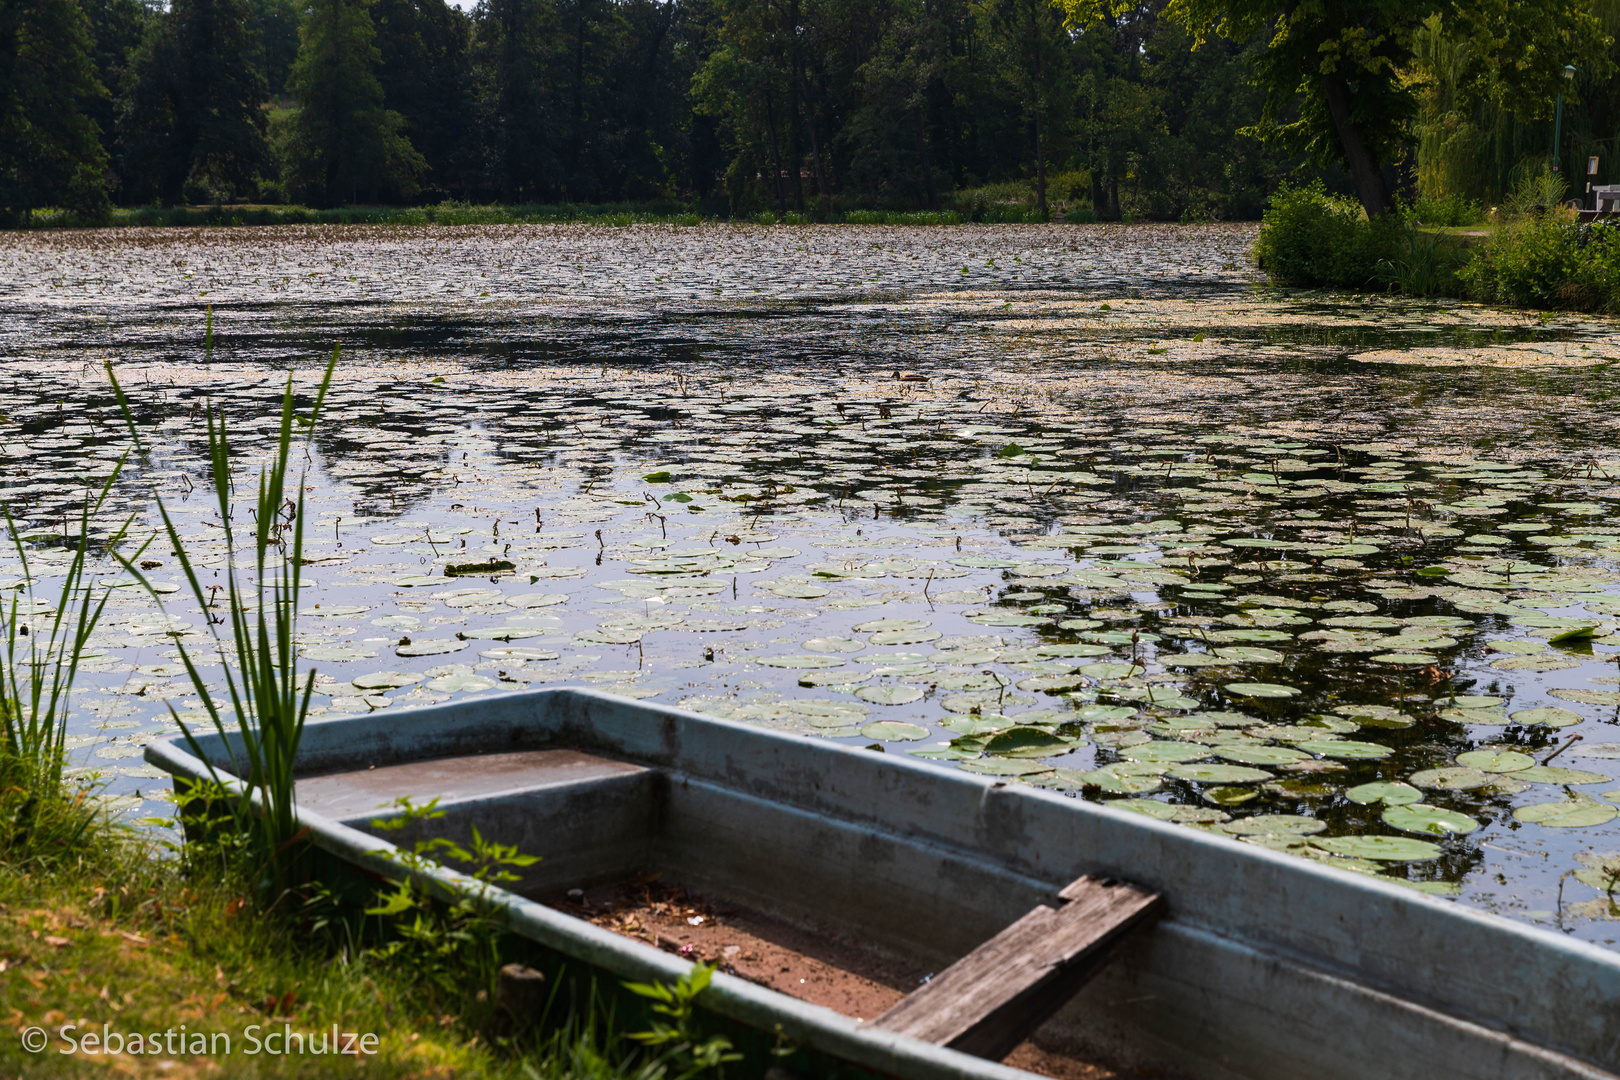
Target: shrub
column 1308, row 237
column 1548, row 261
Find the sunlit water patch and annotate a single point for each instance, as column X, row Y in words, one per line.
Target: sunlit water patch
column 1081, row 509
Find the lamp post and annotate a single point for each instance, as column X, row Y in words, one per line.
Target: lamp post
column 1558, row 118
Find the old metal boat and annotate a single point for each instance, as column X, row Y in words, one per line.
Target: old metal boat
column 1126, row 940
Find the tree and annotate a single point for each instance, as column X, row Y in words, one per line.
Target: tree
column 275, row 25
column 1346, row 64
column 117, row 28
column 193, row 126
column 426, row 76
column 50, row 153
column 342, row 141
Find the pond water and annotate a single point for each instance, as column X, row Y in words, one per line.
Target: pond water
column 1086, row 508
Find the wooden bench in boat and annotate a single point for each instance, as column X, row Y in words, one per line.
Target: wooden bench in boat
column 990, row 1000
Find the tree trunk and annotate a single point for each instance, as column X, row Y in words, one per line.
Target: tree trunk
column 1040, row 107
column 815, row 144
column 922, row 155
column 776, row 151
column 1365, row 168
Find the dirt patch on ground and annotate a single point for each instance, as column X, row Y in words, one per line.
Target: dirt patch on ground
column 855, row 980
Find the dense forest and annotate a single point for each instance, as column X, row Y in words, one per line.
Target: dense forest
column 1112, row 110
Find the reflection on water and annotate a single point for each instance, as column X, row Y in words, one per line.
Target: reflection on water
column 1081, row 508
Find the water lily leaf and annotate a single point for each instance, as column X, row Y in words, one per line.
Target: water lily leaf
column 1111, row 670
column 891, row 624
column 517, row 633
column 1028, row 742
column 1249, row 654
column 451, row 684
column 1105, row 713
column 1577, row 813
column 796, row 590
column 516, row 652
column 1215, row 773
column 1495, row 761
column 385, row 680
column 1110, row 780
column 893, row 731
column 833, row 645
column 1390, row 793
column 1346, row 749
column 1261, row 690
column 604, row 636
column 1230, row 796
column 1553, row 774
column 1193, row 660
column 1420, row 818
column 660, row 477
column 1165, row 751
column 1261, row 755
column 797, row 662
column 905, row 637
column 890, row 694
column 431, row 647
column 1275, row 824
column 1459, row 778
column 1551, row 715
column 1379, row 848
column 1587, row 697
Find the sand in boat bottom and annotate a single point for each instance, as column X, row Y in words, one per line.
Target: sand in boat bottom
column 809, row 965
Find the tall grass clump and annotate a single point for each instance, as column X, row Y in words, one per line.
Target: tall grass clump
column 261, row 717
column 44, row 645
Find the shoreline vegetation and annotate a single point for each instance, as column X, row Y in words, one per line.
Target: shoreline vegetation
column 1530, row 252
column 972, row 208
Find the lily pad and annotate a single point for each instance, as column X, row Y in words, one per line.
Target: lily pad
column 1261, row 755
column 1458, row 778
column 1027, row 742
column 1576, row 813
column 1379, row 848
column 1216, row 773
column 800, row 662
column 1421, row 818
column 385, row 680
column 1553, row 774
column 1550, row 715
column 890, row 694
column 1261, row 690
column 1345, row 749
column 431, row 647
column 451, row 684
column 1165, row 751
column 1274, row 825
column 1495, row 761
column 1390, row 793
column 894, row 731
column 833, row 645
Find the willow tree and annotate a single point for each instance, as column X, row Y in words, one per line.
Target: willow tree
column 1345, row 66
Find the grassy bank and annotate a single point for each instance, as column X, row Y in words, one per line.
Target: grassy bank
column 1529, row 253
column 977, row 211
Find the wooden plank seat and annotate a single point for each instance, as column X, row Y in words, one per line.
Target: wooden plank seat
column 991, row 999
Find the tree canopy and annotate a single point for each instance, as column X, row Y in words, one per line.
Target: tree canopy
column 1343, row 67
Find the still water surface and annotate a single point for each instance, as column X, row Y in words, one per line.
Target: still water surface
column 1082, row 507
